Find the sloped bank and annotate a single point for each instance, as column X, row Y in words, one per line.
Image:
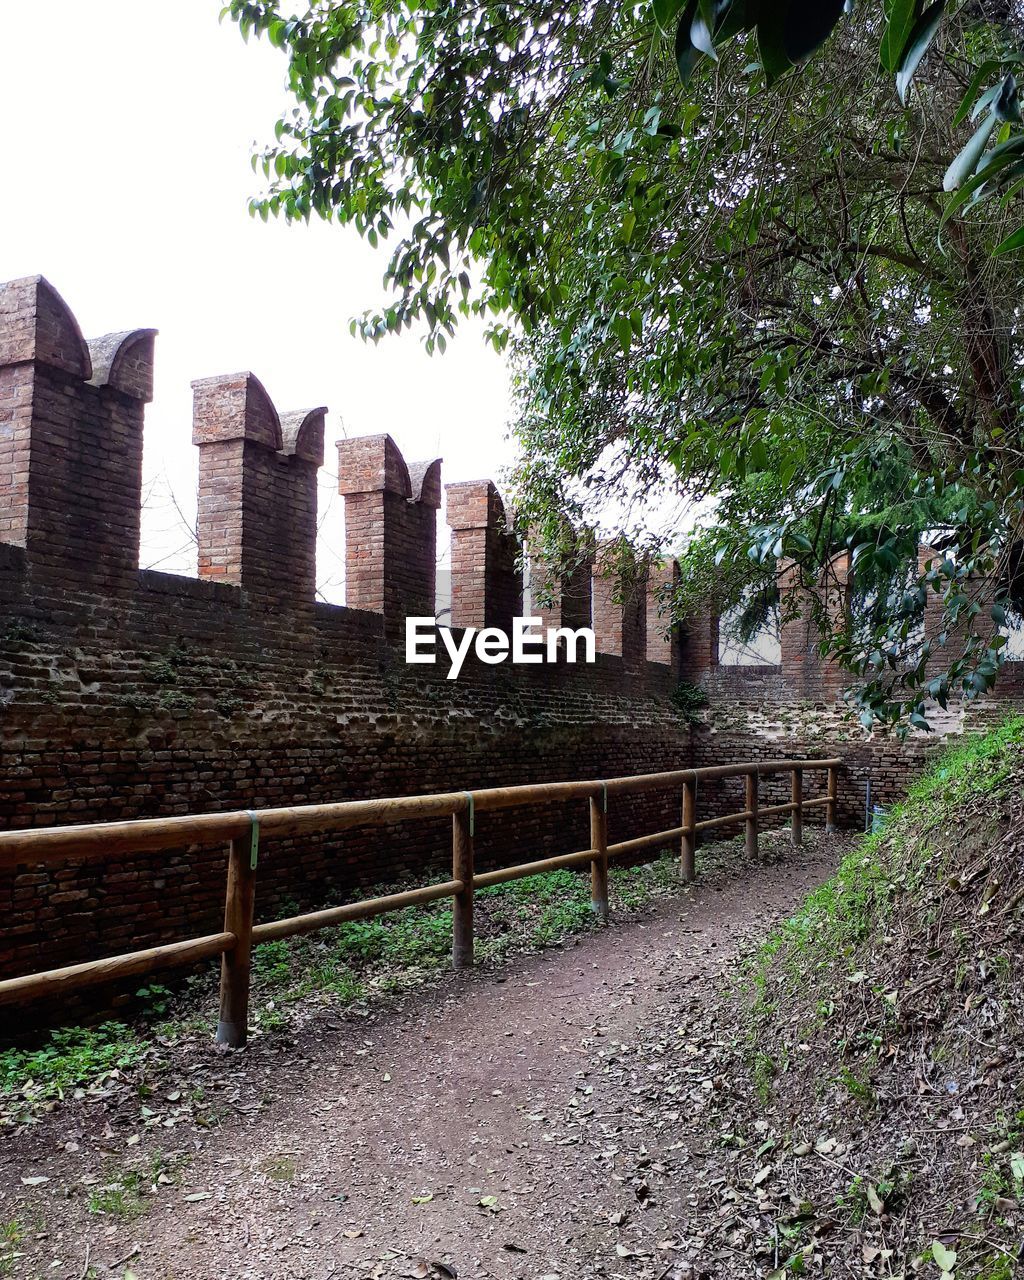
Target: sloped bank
column 869, row 1104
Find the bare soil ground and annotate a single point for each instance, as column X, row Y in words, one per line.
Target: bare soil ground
column 551, row 1120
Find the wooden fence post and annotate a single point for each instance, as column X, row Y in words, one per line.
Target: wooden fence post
column 688, row 844
column 833, row 792
column 750, row 828
column 462, row 869
column 797, row 797
column 599, row 866
column 235, row 965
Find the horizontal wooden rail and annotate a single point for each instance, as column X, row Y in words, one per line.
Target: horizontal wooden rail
column 243, row 830
column 141, row 835
column 646, row 842
column 364, row 910
column 70, row 978
column 726, row 820
column 524, row 869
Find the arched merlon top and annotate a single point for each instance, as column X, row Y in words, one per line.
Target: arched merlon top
column 36, row 326
column 302, row 431
column 124, row 361
column 475, row 504
column 234, row 406
column 425, row 481
column 372, row 464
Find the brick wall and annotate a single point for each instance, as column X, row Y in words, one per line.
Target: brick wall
column 128, row 693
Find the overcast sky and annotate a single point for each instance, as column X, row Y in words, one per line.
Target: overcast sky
column 126, row 130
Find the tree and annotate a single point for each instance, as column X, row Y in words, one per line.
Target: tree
column 740, row 290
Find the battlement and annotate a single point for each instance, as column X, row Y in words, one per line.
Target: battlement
column 257, row 491
column 390, row 529
column 71, row 425
column 71, row 417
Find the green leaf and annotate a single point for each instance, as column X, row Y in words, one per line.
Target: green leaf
column 686, row 55
column 1011, row 244
column 740, row 15
column 989, row 67
column 665, row 13
column 986, row 100
column 966, row 162
column 1008, row 103
column 807, row 24
column 971, row 191
column 701, row 36
column 917, row 46
column 771, row 45
column 946, row 1258
column 899, row 22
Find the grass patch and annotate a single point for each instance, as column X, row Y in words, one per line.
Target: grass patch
column 129, row 1192
column 70, row 1058
column 121, row 1199
column 847, row 909
column 842, row 979
column 11, row 1233
column 279, row 1168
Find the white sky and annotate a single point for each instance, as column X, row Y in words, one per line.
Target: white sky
column 126, row 130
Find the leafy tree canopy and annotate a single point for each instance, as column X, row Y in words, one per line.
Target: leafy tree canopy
column 791, row 296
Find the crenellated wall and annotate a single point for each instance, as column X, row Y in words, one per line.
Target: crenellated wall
column 130, row 693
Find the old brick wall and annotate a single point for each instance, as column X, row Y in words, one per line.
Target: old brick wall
column 184, row 700
column 128, row 693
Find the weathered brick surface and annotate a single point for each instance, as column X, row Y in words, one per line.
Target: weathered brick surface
column 70, row 441
column 185, row 699
column 620, row 605
column 664, row 640
column 487, row 583
column 390, row 529
column 257, row 492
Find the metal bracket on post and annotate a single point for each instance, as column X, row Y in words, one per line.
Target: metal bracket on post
column 472, row 812
column 604, row 797
column 254, row 838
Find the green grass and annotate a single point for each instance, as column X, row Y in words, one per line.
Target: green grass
column 127, row 1193
column 823, row 949
column 122, row 1199
column 12, row 1232
column 70, row 1057
column 977, row 765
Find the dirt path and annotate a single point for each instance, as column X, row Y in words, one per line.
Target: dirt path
column 496, row 1125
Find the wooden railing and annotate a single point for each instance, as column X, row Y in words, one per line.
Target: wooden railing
column 244, row 829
